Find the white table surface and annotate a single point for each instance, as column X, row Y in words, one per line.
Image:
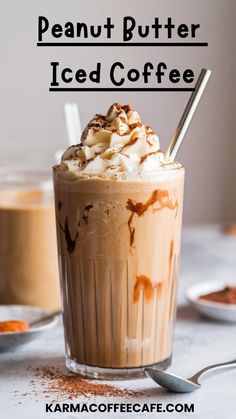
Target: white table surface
column 207, row 254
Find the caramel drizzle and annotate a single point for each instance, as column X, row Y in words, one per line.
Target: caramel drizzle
column 165, row 202
column 144, row 283
column 139, row 208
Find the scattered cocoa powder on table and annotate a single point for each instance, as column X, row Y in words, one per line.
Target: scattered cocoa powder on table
column 61, row 386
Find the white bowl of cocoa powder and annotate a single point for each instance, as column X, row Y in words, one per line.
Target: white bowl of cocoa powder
column 214, row 299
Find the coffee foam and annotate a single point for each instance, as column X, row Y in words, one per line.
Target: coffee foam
column 115, row 146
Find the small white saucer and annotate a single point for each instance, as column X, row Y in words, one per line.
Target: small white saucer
column 10, row 340
column 219, row 311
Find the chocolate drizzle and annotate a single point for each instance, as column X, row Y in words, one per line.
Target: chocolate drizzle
column 139, row 208
column 59, row 205
column 69, row 241
column 86, row 213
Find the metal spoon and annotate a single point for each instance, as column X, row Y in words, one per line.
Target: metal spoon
column 177, row 384
column 45, row 318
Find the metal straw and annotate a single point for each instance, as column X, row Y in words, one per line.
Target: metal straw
column 187, row 115
column 72, row 123
column 73, row 127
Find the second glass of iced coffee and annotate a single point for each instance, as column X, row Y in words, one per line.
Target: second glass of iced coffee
column 119, row 214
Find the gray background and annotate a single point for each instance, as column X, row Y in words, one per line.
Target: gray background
column 32, row 124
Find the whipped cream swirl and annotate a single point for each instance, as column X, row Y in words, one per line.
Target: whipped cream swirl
column 115, row 143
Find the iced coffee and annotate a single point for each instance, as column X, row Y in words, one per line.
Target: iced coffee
column 28, row 251
column 118, row 216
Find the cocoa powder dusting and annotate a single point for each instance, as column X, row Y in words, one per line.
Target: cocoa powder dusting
column 145, row 156
column 131, row 142
column 60, row 386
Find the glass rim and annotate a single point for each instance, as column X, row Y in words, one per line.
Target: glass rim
column 24, row 178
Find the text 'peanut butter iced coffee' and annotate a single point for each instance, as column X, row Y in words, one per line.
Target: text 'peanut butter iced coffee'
column 118, row 214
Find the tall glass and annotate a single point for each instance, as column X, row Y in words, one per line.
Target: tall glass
column 28, row 250
column 119, row 247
